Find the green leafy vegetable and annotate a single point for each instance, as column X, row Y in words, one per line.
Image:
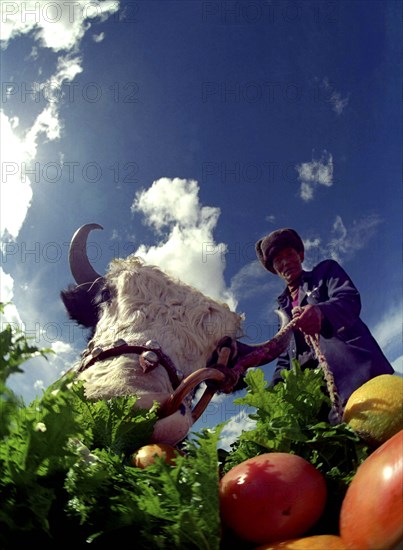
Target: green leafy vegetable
column 291, row 417
column 15, row 349
column 66, row 475
column 161, row 506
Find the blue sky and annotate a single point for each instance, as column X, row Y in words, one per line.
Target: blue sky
column 188, row 130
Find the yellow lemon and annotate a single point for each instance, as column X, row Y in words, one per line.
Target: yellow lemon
column 375, row 409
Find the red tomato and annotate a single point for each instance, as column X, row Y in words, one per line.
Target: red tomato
column 371, row 515
column 271, row 497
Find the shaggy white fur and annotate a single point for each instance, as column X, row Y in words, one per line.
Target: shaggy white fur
column 147, row 304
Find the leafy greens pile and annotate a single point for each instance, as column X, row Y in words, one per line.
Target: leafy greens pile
column 292, row 417
column 66, row 474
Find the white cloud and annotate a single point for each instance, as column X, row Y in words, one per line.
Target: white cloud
column 7, row 286
column 39, row 373
column 233, row 429
column 388, row 334
column 247, row 273
column 61, row 347
column 344, row 241
column 47, row 123
column 306, row 191
column 188, row 249
column 98, row 37
column 314, row 252
column 68, row 67
column 19, row 148
column 173, row 201
column 252, row 280
column 11, row 315
column 314, row 173
column 58, row 25
column 218, row 400
column 338, row 103
column 310, row 244
column 334, row 97
column 18, row 152
column 16, row 192
column 34, row 53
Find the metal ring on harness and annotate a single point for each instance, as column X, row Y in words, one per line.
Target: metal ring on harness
column 188, row 385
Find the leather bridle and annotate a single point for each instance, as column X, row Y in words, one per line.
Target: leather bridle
column 150, row 354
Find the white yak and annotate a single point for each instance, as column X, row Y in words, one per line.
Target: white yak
column 148, row 332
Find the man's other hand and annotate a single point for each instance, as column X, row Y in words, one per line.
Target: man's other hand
column 309, row 319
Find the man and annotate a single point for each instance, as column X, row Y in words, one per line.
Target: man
column 324, row 302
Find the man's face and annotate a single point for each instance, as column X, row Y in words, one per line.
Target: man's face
column 287, row 264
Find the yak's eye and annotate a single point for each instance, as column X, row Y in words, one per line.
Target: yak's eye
column 105, row 295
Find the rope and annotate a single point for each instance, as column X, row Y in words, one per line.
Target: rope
column 313, row 343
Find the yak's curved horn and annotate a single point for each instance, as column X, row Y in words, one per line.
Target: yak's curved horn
column 261, row 354
column 80, row 266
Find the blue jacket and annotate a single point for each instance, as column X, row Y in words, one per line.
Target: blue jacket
column 351, row 351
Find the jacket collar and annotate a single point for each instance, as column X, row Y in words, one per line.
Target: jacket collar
column 285, row 299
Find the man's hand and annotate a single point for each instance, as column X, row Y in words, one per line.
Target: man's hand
column 309, row 319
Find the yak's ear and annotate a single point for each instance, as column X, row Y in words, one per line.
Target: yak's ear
column 81, row 304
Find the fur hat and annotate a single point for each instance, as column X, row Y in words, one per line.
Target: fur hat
column 268, row 247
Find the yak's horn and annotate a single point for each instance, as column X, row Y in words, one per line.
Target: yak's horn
column 80, row 266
